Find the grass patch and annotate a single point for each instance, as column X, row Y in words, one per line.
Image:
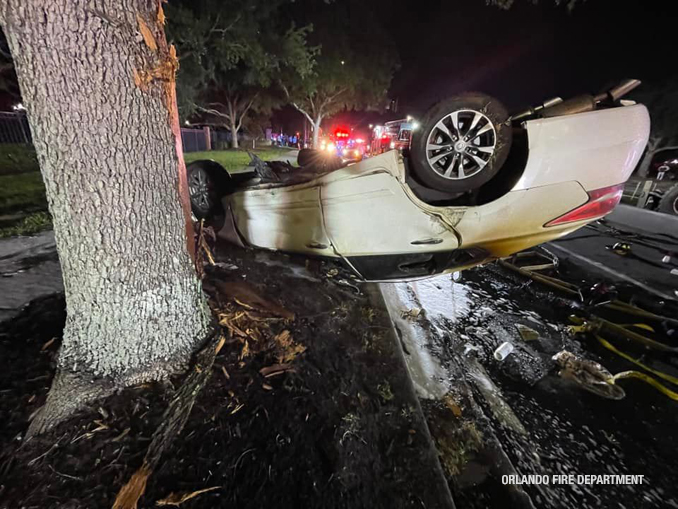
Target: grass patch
column 15, row 158
column 22, row 192
column 33, row 223
column 237, row 159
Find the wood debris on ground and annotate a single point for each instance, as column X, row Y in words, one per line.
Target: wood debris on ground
column 176, row 499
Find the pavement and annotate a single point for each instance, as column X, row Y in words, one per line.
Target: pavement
column 652, row 237
column 29, row 268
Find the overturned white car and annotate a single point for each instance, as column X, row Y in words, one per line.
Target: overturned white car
column 474, row 187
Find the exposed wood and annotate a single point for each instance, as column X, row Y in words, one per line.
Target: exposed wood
column 173, row 422
column 99, row 92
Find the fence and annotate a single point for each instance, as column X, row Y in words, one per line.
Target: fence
column 14, row 128
column 195, row 140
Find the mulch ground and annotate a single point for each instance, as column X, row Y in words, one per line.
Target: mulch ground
column 337, row 426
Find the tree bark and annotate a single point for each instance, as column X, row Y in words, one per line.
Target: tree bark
column 234, row 134
column 316, row 132
column 97, row 79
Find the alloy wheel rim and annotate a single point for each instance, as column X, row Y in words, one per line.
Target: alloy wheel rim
column 461, row 144
column 198, row 186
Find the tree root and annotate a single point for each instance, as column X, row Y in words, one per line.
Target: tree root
column 174, row 419
column 68, row 394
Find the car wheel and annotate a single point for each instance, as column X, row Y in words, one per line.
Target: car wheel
column 462, row 143
column 202, row 191
column 669, row 202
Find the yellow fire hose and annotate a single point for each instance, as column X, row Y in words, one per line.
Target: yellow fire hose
column 597, row 325
column 647, row 379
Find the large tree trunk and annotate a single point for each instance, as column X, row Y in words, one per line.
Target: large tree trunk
column 234, row 134
column 97, row 79
column 316, row 132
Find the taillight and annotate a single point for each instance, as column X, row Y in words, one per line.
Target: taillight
column 601, row 202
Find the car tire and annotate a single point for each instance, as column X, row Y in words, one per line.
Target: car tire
column 308, row 157
column 669, row 202
column 205, row 190
column 318, row 160
column 462, row 143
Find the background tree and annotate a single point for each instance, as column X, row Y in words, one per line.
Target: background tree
column 234, row 54
column 97, row 81
column 355, row 66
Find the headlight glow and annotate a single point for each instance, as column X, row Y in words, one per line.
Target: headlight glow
column 330, row 147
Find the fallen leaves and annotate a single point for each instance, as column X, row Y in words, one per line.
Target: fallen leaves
column 176, row 499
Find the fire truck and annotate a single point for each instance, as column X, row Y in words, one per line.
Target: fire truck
column 394, row 135
column 344, row 144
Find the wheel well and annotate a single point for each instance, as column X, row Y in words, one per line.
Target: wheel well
column 495, row 188
column 217, row 172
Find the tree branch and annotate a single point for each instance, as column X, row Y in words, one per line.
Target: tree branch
column 303, row 112
column 247, row 108
column 212, row 111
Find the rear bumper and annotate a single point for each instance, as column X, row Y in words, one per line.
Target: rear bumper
column 597, row 149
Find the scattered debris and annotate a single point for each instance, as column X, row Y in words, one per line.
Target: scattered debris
column 246, row 296
column 344, row 282
column 468, row 347
column 526, row 333
column 288, row 349
column 411, row 314
column 226, row 266
column 173, row 422
column 450, row 403
column 385, row 391
column 620, row 248
column 492, row 395
column 176, row 499
column 589, row 375
column 503, row 351
column 275, row 369
column 48, row 344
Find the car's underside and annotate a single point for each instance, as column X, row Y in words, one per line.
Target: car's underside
column 398, row 215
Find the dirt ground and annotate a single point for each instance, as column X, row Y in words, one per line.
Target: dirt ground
column 342, row 428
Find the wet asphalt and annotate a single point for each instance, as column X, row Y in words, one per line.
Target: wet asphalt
column 546, row 424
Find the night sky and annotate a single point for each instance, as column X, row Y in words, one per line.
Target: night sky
column 530, row 52
column 522, row 56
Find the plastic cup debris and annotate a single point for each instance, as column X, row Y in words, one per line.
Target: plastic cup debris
column 503, row 351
